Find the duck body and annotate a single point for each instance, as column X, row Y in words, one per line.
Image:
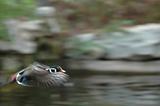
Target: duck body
column 39, row 75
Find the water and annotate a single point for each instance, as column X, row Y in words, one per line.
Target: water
column 97, row 90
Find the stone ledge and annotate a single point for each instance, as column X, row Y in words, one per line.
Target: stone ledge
column 129, row 67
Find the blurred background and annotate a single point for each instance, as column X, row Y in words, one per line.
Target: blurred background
column 110, row 48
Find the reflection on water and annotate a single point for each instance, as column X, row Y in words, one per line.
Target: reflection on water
column 90, row 91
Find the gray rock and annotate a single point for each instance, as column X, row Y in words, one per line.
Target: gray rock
column 135, row 43
column 22, row 35
column 48, row 15
column 5, row 46
column 45, row 11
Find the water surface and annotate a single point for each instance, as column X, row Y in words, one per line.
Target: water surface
column 97, row 90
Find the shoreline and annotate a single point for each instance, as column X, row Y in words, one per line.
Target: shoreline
column 115, row 66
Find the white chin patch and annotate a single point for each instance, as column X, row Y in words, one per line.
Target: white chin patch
column 17, row 79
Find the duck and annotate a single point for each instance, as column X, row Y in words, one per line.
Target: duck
column 40, row 75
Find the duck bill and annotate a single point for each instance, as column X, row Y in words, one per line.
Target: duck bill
column 12, row 78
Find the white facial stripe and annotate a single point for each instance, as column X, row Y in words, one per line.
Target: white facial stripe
column 63, row 70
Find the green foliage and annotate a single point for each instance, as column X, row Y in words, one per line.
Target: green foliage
column 117, row 25
column 14, row 9
column 3, row 33
column 80, row 47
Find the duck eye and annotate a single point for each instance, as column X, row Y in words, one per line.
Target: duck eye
column 52, row 70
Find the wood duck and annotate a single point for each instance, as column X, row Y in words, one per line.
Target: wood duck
column 39, row 75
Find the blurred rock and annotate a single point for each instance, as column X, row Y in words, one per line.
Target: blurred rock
column 5, row 46
column 23, row 31
column 45, row 11
column 84, row 46
column 48, row 15
column 86, row 36
column 141, row 42
column 22, row 34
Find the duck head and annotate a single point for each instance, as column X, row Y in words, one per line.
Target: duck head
column 40, row 75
